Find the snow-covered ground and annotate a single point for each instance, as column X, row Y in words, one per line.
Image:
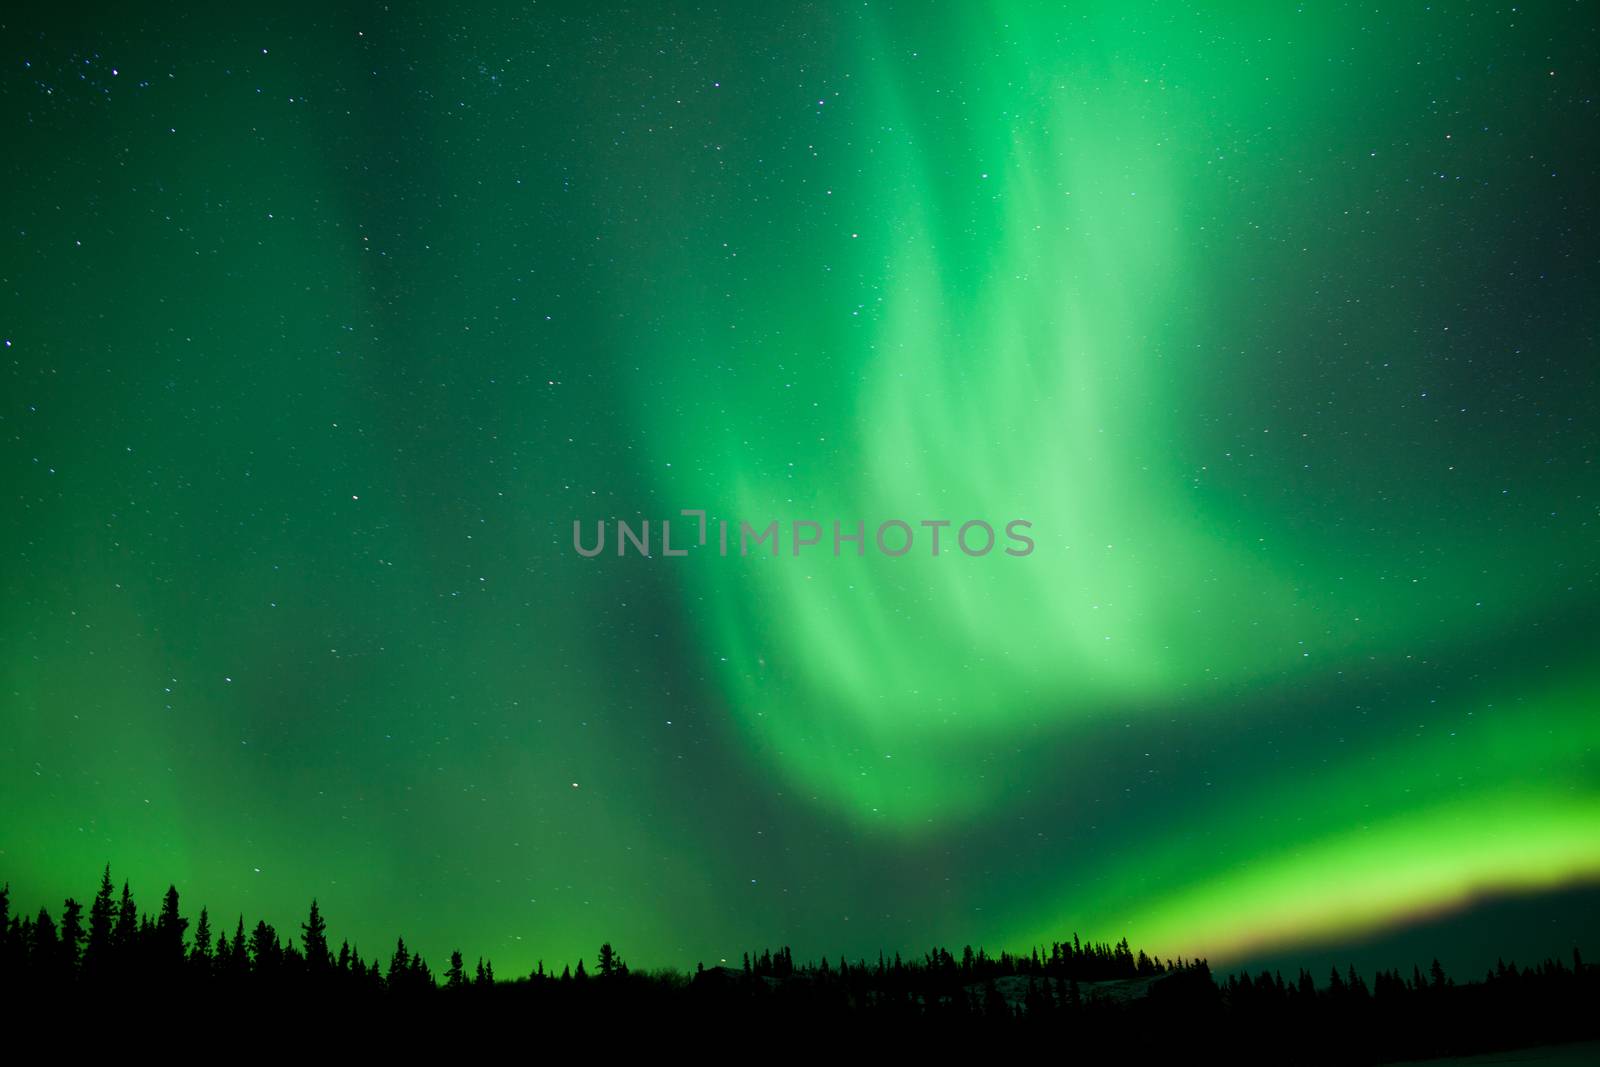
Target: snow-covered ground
column 1580, row 1054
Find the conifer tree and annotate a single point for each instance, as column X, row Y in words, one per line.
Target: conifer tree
column 125, row 934
column 399, row 964
column 200, row 955
column 170, row 928
column 314, row 935
column 97, row 952
column 45, row 945
column 71, row 936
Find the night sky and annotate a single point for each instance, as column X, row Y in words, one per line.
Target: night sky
column 1279, row 326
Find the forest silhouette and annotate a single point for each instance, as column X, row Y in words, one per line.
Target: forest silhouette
column 1101, row 999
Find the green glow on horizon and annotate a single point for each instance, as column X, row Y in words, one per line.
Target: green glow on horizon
column 1372, row 840
column 1405, row 867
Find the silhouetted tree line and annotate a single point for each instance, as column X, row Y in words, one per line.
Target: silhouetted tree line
column 1420, row 1015
column 1064, row 960
column 1108, row 997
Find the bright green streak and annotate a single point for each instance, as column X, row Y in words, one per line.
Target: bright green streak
column 1037, row 226
column 1428, row 826
column 1034, row 347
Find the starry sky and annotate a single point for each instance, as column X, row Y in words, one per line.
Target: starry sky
column 322, row 327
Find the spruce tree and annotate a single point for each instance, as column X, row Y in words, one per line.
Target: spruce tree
column 44, row 947
column 125, row 934
column 314, row 935
column 71, row 935
column 97, row 952
column 200, row 956
column 170, row 927
column 399, row 964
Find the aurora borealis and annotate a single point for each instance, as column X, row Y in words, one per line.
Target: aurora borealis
column 1276, row 322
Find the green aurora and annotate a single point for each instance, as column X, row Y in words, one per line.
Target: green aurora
column 1276, row 322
